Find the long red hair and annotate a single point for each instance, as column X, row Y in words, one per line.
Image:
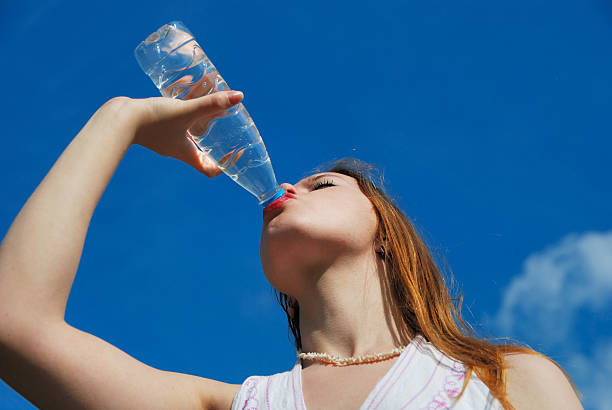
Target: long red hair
column 417, row 296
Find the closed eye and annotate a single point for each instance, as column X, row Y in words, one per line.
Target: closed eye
column 323, row 184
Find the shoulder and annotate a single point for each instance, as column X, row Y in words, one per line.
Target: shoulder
column 534, row 381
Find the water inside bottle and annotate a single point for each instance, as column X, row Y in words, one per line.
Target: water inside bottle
column 241, row 150
column 232, row 139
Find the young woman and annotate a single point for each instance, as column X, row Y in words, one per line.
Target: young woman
column 361, row 292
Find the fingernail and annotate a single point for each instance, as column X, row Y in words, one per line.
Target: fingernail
column 235, row 97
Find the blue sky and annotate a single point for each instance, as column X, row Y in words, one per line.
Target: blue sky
column 490, row 122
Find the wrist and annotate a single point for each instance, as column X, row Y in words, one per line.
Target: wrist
column 122, row 116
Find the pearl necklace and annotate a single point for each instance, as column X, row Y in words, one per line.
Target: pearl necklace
column 348, row 361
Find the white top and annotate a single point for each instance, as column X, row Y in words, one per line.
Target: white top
column 421, row 378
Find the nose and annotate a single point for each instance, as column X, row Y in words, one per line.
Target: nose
column 289, row 188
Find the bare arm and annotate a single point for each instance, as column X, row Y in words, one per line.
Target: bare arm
column 46, row 360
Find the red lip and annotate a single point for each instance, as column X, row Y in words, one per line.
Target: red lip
column 278, row 203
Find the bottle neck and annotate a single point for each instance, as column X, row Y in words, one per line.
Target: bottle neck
column 273, row 198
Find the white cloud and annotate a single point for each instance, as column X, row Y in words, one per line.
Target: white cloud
column 555, row 284
column 542, row 306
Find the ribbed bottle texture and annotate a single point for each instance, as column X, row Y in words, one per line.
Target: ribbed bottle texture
column 178, row 67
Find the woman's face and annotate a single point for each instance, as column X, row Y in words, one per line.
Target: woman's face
column 328, row 220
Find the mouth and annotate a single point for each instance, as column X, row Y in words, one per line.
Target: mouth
column 278, row 204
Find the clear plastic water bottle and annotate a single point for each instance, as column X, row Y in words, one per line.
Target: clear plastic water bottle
column 176, row 63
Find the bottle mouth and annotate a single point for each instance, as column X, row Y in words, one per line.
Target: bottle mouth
column 273, row 198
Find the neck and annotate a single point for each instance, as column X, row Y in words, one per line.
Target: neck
column 343, row 311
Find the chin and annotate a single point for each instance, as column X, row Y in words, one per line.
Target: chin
column 281, row 261
column 287, row 258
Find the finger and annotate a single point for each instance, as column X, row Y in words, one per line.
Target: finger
column 229, row 159
column 213, row 103
column 198, row 159
column 209, row 167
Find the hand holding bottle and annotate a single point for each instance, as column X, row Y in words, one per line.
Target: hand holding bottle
column 162, row 125
column 180, row 69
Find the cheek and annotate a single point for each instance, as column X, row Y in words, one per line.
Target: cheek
column 353, row 222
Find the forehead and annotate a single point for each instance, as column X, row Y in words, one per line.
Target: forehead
column 335, row 175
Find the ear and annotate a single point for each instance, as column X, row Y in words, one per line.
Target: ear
column 381, row 245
